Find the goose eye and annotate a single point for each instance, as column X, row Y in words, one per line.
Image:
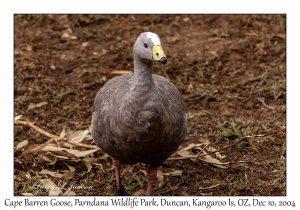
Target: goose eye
column 145, row 45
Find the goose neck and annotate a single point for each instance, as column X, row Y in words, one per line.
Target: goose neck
column 142, row 76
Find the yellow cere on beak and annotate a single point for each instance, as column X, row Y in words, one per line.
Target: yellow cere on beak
column 158, row 52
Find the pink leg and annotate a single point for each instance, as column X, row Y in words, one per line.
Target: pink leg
column 151, row 176
column 120, row 189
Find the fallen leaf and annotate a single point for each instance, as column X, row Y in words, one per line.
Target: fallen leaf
column 88, row 162
column 191, row 146
column 41, row 104
column 51, row 187
column 22, row 144
column 121, row 72
column 74, row 152
column 18, row 117
column 210, row 187
column 31, row 106
column 88, row 137
column 160, row 178
column 38, row 148
column 63, row 133
column 212, row 149
column 27, row 194
column 85, row 152
column 139, row 192
column 203, row 140
column 77, row 136
column 144, row 172
column 212, row 160
column 29, row 48
column 88, row 165
column 50, row 159
column 174, row 173
column 69, row 174
column 184, row 153
column 65, row 35
column 51, row 173
column 60, row 156
column 66, row 175
column 84, row 44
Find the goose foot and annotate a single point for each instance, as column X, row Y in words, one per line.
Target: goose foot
column 120, row 192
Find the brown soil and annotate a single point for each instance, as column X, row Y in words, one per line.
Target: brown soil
column 222, row 65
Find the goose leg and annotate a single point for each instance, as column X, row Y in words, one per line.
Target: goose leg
column 120, row 191
column 151, row 176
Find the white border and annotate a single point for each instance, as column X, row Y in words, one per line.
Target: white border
column 138, row 6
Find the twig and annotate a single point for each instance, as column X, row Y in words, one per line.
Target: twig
column 194, row 98
column 57, row 139
column 262, row 100
column 277, row 96
column 241, row 161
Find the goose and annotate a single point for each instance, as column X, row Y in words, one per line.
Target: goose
column 140, row 117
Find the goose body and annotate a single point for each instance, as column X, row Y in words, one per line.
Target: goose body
column 140, row 117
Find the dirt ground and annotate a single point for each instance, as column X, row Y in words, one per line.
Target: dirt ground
column 230, row 69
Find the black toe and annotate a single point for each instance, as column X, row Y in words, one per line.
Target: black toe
column 120, row 192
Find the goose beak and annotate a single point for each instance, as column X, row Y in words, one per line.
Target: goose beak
column 158, row 54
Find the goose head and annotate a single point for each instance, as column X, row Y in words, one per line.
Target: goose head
column 148, row 49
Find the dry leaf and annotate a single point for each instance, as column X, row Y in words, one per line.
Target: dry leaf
column 38, row 148
column 74, row 152
column 174, row 173
column 77, row 136
column 69, row 174
column 191, row 146
column 50, row 159
column 51, row 187
column 22, row 144
column 60, row 156
column 27, row 194
column 144, row 172
column 212, row 160
column 88, row 165
column 66, row 175
column 58, row 151
column 73, row 37
column 80, row 136
column 139, row 192
column 212, row 149
column 65, row 35
column 160, row 178
column 63, row 133
column 84, row 44
column 205, row 188
column 121, row 72
column 85, row 152
column 31, row 106
column 204, row 140
column 51, row 173
column 29, row 48
column 18, row 117
column 87, row 162
column 41, row 104
column 184, row 153
column 88, row 137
